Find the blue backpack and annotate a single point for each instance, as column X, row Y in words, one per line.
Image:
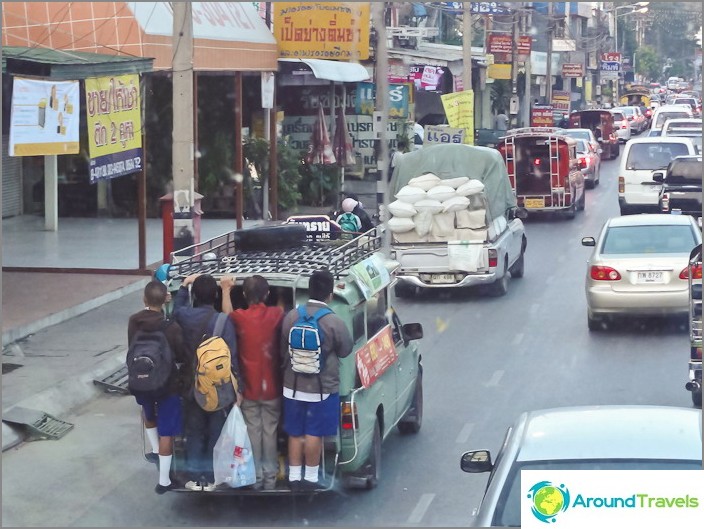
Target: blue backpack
column 305, row 342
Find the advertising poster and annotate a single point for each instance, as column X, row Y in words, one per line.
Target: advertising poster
column 436, row 134
column 561, row 100
column 541, row 116
column 459, row 110
column 399, row 95
column 370, row 276
column 44, row 118
column 376, row 356
column 114, row 121
column 326, row 30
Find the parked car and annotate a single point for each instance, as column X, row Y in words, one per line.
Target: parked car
column 612, row 437
column 589, row 161
column 637, row 192
column 621, row 125
column 681, row 186
column 639, row 267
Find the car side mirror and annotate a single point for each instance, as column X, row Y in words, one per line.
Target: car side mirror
column 588, row 241
column 412, row 331
column 658, row 177
column 476, row 461
column 517, row 213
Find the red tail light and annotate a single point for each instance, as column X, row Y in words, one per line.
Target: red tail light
column 696, row 353
column 348, row 416
column 582, row 162
column 493, row 258
column 621, row 184
column 696, row 272
column 665, row 202
column 624, row 126
column 648, row 113
column 604, row 273
column 630, row 118
column 536, row 162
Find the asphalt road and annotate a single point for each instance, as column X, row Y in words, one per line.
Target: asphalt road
column 485, row 361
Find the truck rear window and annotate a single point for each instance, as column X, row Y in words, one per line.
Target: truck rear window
column 654, row 155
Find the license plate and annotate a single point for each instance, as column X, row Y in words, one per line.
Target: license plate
column 442, row 278
column 650, row 277
column 534, row 203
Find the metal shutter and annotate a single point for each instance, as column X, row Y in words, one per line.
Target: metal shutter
column 11, row 182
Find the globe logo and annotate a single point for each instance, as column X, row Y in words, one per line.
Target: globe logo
column 548, row 500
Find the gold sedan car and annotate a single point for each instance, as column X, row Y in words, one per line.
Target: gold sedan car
column 639, row 267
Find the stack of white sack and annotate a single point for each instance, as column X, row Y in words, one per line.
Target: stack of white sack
column 430, row 209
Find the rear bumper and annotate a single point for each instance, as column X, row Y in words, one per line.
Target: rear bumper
column 467, row 281
column 604, row 301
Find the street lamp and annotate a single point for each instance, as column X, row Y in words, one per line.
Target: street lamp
column 638, row 7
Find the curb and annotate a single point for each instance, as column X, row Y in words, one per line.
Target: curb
column 17, row 333
column 62, row 398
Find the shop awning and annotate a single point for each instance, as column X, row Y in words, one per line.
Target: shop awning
column 59, row 64
column 343, row 72
column 227, row 36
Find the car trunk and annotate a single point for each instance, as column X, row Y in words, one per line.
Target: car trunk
column 649, row 274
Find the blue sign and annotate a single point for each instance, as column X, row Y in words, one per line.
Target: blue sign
column 478, row 8
column 399, row 97
column 610, row 66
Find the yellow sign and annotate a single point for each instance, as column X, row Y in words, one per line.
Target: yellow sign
column 325, row 30
column 499, row 71
column 459, row 110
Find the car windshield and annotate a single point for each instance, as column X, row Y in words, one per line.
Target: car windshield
column 508, row 507
column 581, row 134
column 685, row 172
column 654, row 155
column 628, row 111
column 648, row 239
column 582, row 147
column 618, row 116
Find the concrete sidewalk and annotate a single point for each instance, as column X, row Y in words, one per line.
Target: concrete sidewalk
column 60, row 331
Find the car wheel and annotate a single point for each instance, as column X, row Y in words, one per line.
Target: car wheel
column 500, row 286
column 413, row 419
column 518, row 267
column 594, row 324
column 697, row 398
column 582, row 201
column 401, row 290
column 374, row 462
column 597, row 177
column 571, row 212
column 589, row 184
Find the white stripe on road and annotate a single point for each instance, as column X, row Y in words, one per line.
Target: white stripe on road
column 494, row 380
column 421, row 508
column 463, row 437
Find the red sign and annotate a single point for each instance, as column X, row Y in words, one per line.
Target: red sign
column 611, row 56
column 572, row 70
column 376, row 356
column 541, row 116
column 501, row 46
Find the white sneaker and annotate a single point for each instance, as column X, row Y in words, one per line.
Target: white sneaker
column 209, row 487
column 193, row 485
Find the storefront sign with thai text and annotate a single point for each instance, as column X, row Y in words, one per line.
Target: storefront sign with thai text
column 541, row 116
column 572, row 70
column 399, row 95
column 459, row 110
column 114, row 122
column 376, row 356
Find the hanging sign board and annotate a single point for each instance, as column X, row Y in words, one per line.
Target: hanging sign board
column 45, row 117
column 377, row 355
column 114, row 121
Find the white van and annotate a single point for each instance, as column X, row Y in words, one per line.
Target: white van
column 665, row 112
column 637, row 192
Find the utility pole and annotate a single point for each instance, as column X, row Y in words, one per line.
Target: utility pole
column 548, row 65
column 183, row 133
column 513, row 105
column 382, row 102
column 527, row 96
column 467, row 46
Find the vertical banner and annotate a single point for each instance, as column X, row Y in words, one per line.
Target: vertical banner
column 326, row 30
column 114, row 121
column 459, row 110
column 399, row 96
column 44, row 118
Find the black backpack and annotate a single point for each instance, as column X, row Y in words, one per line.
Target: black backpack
column 150, row 362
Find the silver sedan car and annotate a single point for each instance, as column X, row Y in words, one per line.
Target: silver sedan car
column 583, row 438
column 639, row 267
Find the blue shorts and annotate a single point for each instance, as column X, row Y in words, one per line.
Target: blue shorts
column 166, row 412
column 312, row 418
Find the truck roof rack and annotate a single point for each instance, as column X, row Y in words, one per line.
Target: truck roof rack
column 220, row 256
column 526, row 131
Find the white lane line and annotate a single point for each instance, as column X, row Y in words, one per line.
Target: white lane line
column 463, row 437
column 421, row 508
column 495, row 378
column 518, row 338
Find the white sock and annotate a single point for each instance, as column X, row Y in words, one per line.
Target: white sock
column 153, row 437
column 164, row 467
column 312, row 473
column 294, row 473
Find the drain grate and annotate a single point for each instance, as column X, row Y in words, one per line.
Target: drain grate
column 9, row 368
column 39, row 425
column 115, row 382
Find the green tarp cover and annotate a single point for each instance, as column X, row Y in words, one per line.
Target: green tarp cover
column 453, row 161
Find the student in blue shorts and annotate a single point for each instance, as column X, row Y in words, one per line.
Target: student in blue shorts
column 163, row 417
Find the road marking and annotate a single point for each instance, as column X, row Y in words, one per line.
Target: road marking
column 494, row 380
column 463, row 437
column 421, row 508
column 518, row 338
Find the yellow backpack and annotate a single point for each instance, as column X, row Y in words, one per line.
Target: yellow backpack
column 215, row 385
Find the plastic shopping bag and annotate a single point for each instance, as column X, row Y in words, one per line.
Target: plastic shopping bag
column 233, row 462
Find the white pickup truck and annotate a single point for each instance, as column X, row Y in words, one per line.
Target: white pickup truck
column 482, row 243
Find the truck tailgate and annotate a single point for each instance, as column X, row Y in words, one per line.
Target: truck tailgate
column 429, row 258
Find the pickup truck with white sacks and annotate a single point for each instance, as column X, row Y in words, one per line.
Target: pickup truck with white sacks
column 453, row 220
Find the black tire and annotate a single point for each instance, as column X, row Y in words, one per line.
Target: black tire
column 615, row 151
column 697, row 398
column 500, row 287
column 572, row 212
column 374, row 462
column 594, row 324
column 589, row 184
column 582, row 202
column 518, row 268
column 413, row 419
